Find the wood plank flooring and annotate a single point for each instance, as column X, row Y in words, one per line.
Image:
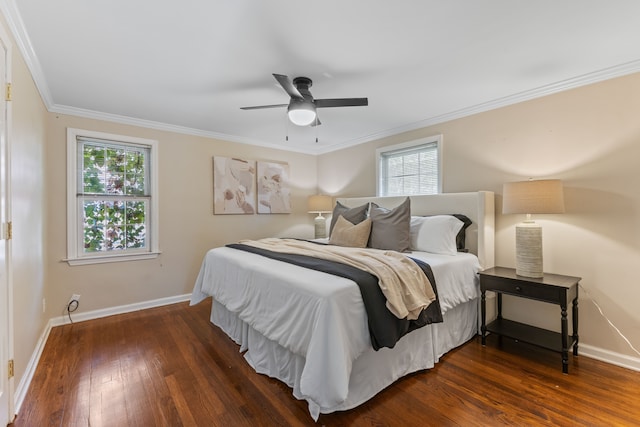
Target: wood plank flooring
column 169, row 366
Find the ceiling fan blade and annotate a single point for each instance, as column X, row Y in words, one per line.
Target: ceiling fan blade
column 258, row 107
column 341, row 102
column 288, row 86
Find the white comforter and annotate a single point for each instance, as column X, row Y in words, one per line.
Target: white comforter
column 316, row 315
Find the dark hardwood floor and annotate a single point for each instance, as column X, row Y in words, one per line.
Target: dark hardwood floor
column 169, row 366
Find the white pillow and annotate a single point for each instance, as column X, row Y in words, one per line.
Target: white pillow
column 435, row 234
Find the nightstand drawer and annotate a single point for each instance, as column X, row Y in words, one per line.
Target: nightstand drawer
column 522, row 289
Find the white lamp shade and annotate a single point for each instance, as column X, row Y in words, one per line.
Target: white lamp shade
column 543, row 196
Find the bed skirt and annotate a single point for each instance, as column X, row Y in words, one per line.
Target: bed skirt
column 371, row 372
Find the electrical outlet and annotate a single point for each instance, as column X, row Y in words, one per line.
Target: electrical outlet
column 44, row 305
column 73, row 304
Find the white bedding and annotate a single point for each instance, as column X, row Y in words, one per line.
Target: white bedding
column 317, row 317
column 456, row 277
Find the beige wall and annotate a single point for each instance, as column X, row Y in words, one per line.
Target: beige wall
column 29, row 212
column 188, row 227
column 590, row 138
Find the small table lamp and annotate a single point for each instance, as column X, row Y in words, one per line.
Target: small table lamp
column 531, row 197
column 320, row 204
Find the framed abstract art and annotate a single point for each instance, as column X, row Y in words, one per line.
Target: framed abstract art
column 274, row 193
column 234, row 186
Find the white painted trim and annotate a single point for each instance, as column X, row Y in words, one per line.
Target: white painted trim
column 121, row 309
column 73, row 238
column 14, row 20
column 150, row 124
column 8, row 352
column 111, row 258
column 550, row 89
column 611, row 357
column 601, row 75
column 26, row 379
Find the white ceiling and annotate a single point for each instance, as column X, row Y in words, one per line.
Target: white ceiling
column 189, row 66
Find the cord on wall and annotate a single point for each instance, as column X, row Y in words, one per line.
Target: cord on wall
column 609, row 321
column 72, row 306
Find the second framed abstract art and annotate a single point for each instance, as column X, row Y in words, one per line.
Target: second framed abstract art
column 273, row 188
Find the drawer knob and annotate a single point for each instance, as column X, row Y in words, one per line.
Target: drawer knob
column 518, row 288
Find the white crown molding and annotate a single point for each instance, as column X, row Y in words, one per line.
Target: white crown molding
column 150, row 124
column 16, row 25
column 14, row 20
column 572, row 83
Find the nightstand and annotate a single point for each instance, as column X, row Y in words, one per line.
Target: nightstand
column 552, row 288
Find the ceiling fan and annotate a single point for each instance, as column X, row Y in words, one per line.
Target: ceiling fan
column 301, row 109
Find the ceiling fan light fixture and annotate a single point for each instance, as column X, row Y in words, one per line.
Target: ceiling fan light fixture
column 302, row 106
column 301, row 112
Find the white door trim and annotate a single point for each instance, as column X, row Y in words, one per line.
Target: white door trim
column 6, row 347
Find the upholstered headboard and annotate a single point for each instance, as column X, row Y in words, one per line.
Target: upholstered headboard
column 478, row 206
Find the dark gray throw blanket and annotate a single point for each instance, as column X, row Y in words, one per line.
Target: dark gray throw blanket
column 385, row 329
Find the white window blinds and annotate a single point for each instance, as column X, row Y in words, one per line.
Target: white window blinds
column 409, row 170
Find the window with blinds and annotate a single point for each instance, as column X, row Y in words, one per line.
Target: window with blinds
column 113, row 205
column 410, row 169
column 114, row 201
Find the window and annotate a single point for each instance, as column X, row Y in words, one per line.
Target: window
column 410, row 168
column 111, row 198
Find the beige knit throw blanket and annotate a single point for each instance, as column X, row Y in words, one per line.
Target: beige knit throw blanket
column 402, row 281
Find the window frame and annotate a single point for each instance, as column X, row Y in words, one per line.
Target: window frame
column 75, row 254
column 409, row 145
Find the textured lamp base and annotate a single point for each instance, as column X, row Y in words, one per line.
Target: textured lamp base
column 529, row 249
column 320, row 227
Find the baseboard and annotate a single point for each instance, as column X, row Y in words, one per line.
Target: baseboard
column 121, row 309
column 607, row 356
column 25, row 381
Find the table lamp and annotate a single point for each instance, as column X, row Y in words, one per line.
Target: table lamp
column 531, row 197
column 320, row 204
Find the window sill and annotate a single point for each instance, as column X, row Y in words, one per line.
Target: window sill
column 111, row 258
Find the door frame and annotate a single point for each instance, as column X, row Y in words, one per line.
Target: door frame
column 5, row 219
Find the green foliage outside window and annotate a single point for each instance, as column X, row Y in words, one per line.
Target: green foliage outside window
column 115, row 202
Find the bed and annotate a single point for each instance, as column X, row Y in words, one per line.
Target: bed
column 309, row 328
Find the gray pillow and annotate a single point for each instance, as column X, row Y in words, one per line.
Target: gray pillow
column 353, row 215
column 390, row 227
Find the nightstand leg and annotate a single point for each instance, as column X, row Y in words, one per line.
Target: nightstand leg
column 574, row 315
column 564, row 332
column 483, row 311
